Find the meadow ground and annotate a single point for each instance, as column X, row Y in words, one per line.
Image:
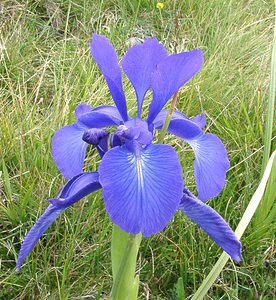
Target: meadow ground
column 46, row 70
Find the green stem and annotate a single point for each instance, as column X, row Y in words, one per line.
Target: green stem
column 124, row 250
column 168, row 119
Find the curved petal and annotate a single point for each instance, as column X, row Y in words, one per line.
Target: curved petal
column 75, row 189
column 211, row 161
column 182, row 127
column 170, row 75
column 82, row 108
column 212, row 223
column 68, row 149
column 41, row 225
column 210, row 165
column 138, row 64
column 96, row 119
column 106, row 58
column 109, row 110
column 199, row 120
column 141, row 190
column 98, row 138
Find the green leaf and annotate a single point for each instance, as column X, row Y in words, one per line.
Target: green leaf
column 247, row 216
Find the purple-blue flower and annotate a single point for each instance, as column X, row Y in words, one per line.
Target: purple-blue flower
column 141, row 181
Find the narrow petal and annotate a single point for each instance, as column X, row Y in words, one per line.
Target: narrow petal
column 68, row 149
column 106, row 58
column 170, row 75
column 41, row 225
column 211, row 161
column 139, row 63
column 141, row 190
column 75, row 189
column 212, row 223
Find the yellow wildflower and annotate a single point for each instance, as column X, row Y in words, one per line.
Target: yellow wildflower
column 160, row 5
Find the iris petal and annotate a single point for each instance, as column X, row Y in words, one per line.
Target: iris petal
column 82, row 108
column 106, row 58
column 182, row 127
column 139, row 63
column 68, row 146
column 75, row 189
column 97, row 119
column 212, row 223
column 210, row 165
column 211, row 161
column 68, row 149
column 112, row 111
column 199, row 120
column 41, row 225
column 170, row 75
column 141, row 190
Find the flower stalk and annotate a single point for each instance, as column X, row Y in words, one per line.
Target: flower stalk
column 124, row 251
column 168, row 119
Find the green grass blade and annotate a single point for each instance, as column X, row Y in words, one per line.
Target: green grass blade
column 271, row 104
column 247, row 216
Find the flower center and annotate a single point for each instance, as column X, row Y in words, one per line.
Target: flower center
column 135, row 130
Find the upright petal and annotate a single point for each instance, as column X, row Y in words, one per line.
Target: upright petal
column 68, row 149
column 170, row 75
column 139, row 63
column 75, row 189
column 212, row 223
column 211, row 161
column 141, row 190
column 106, row 58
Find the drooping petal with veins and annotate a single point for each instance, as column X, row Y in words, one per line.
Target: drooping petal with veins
column 211, row 161
column 74, row 190
column 212, row 223
column 141, row 190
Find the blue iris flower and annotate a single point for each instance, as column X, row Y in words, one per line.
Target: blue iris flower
column 141, row 181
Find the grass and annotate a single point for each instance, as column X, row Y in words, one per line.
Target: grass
column 46, row 70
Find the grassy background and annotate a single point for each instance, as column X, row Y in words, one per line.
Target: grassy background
column 46, row 70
